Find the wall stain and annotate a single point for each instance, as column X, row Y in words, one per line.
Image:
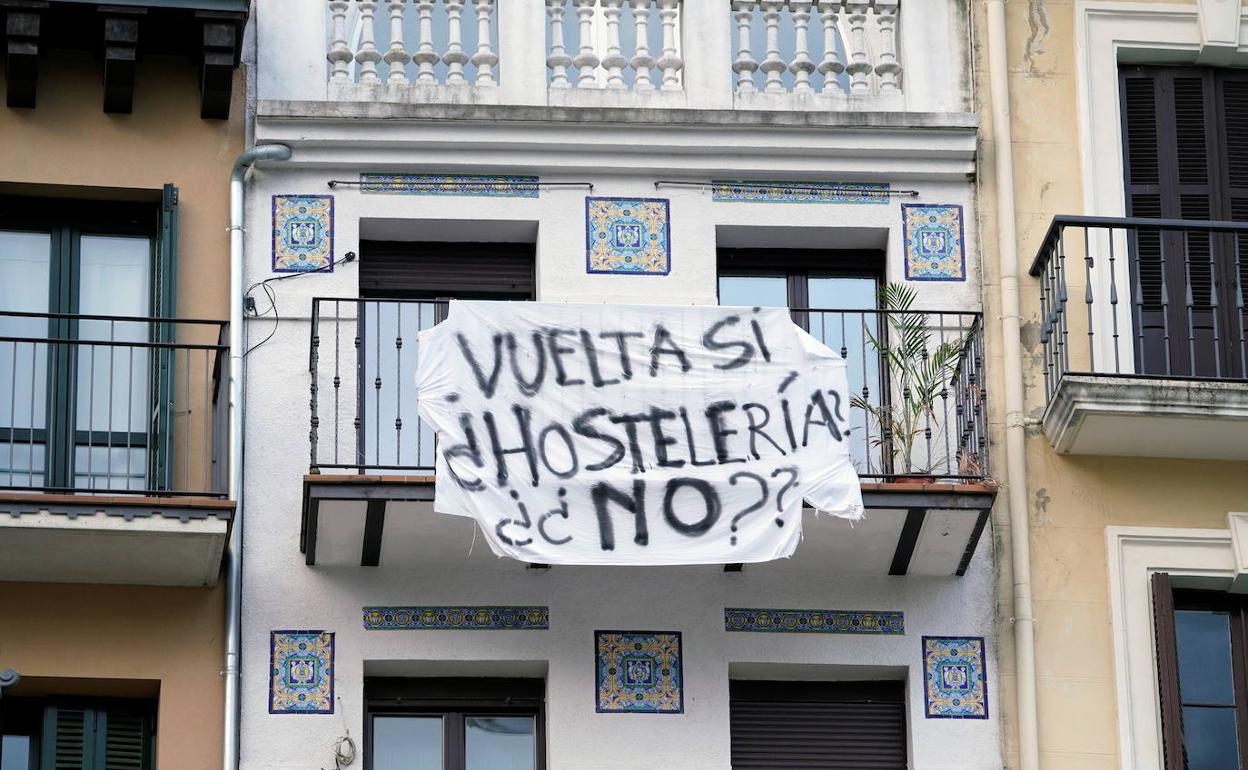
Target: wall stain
column 1029, row 335
column 1038, row 22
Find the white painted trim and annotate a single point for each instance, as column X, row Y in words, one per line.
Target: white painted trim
column 1108, row 33
column 1205, row 557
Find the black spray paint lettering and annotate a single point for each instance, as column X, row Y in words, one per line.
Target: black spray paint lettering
column 470, row 450
column 561, row 511
column 665, row 345
column 524, row 522
column 791, row 471
column 752, row 507
column 710, row 499
column 603, row 495
column 557, row 345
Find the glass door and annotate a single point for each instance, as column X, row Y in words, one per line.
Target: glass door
column 25, row 287
column 76, row 398
column 838, row 308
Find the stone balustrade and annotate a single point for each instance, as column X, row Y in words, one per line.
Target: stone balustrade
column 819, row 53
column 782, row 54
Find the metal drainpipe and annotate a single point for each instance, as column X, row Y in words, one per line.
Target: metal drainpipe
column 1015, row 438
column 234, row 551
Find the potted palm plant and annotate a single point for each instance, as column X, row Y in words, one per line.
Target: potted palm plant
column 918, row 375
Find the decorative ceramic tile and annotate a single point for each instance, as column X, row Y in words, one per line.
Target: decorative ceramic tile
column 814, row 621
column 799, row 192
column 301, row 672
column 956, row 677
column 456, row 618
column 935, row 248
column 303, row 233
column 639, row 672
column 445, row 184
column 627, row 235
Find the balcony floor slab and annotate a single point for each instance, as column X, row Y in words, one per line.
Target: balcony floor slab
column 1137, row 416
column 117, row 540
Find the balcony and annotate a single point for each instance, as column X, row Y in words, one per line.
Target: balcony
column 112, row 441
column 1142, row 335
column 925, row 477
column 816, row 55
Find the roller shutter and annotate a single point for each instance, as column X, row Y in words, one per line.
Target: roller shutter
column 826, row 725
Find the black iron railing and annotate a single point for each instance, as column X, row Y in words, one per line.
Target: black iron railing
column 112, row 404
column 364, row 419
column 1144, row 298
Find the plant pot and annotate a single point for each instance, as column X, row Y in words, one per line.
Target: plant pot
column 911, row 479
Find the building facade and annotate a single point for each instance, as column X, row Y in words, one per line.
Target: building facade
column 1133, row 365
column 120, row 125
column 799, row 154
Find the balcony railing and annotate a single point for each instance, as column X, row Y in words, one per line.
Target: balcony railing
column 1149, row 298
column 112, row 405
column 364, row 418
column 782, row 54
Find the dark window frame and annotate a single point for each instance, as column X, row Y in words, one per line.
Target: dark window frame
column 66, row 221
column 36, row 714
column 1167, row 600
column 453, row 699
column 799, row 266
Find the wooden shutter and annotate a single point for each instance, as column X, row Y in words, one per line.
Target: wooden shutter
column 1168, row 672
column 111, row 737
column 1174, row 152
column 827, row 725
column 1233, row 127
column 67, row 734
column 123, row 741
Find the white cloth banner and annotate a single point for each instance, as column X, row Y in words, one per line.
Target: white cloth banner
column 635, row 434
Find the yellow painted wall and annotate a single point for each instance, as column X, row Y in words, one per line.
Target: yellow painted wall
column 1071, row 500
column 171, row 635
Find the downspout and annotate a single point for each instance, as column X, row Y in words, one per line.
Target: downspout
column 234, row 551
column 1012, row 359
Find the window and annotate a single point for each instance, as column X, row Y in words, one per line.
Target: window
column 77, row 734
column 858, row 725
column 1185, row 150
column 454, row 724
column 405, row 285
column 76, row 412
column 1201, row 657
column 833, row 295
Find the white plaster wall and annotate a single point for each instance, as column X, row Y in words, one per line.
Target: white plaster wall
column 559, row 215
column 280, row 592
column 931, row 43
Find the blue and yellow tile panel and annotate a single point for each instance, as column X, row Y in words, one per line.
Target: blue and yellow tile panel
column 935, row 243
column 450, row 184
column 955, row 677
column 766, row 620
column 301, row 672
column 456, row 618
column 630, row 236
column 639, row 672
column 303, row 233
column 737, row 191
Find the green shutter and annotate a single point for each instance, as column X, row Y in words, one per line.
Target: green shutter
column 164, row 296
column 67, row 739
column 97, row 739
column 123, row 741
